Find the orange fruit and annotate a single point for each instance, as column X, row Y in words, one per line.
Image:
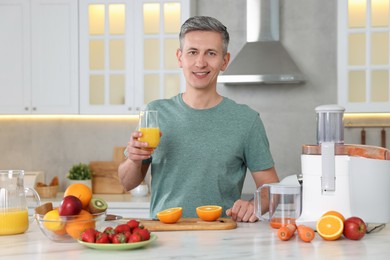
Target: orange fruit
column 52, row 221
column 335, row 213
column 330, row 227
column 81, row 191
column 209, row 212
column 75, row 226
column 170, row 216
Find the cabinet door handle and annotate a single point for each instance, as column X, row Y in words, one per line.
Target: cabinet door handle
column 34, row 108
column 26, row 108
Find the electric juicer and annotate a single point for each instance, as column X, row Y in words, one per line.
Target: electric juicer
column 351, row 179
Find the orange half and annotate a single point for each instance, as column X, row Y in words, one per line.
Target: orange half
column 170, row 216
column 209, row 212
column 330, row 227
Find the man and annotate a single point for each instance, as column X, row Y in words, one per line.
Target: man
column 208, row 141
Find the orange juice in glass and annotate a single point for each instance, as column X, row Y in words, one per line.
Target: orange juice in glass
column 148, row 125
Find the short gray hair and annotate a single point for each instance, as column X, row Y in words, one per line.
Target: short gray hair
column 205, row 23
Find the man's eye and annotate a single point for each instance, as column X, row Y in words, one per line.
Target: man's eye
column 192, row 52
column 212, row 53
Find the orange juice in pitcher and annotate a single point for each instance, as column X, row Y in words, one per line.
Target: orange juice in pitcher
column 13, row 221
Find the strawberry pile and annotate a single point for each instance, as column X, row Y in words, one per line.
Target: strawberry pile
column 130, row 232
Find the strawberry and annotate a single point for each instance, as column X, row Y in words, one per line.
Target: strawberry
column 144, row 233
column 88, row 235
column 110, row 232
column 119, row 238
column 127, row 234
column 122, row 228
column 133, row 223
column 134, row 238
column 102, row 238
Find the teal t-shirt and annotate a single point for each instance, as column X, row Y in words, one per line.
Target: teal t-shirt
column 203, row 154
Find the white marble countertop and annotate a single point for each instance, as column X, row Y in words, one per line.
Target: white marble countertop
column 247, row 241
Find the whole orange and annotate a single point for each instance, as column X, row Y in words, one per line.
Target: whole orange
column 81, row 222
column 334, row 213
column 81, row 191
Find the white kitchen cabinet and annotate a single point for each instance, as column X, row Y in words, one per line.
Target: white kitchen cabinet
column 127, row 53
column 363, row 55
column 39, row 57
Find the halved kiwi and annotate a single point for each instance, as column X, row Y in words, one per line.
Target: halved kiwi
column 97, row 205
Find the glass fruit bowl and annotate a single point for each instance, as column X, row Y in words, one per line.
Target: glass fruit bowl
column 68, row 228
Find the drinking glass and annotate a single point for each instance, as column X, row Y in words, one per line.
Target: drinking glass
column 148, row 125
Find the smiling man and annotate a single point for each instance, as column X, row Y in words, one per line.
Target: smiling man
column 208, row 141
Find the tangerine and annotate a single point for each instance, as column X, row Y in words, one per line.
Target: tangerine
column 335, row 213
column 81, row 191
column 330, row 227
column 170, row 216
column 209, row 212
column 75, row 226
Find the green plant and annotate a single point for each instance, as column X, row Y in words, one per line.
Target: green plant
column 79, row 172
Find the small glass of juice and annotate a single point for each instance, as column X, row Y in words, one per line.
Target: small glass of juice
column 148, row 125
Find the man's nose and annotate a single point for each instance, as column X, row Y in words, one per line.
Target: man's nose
column 201, row 61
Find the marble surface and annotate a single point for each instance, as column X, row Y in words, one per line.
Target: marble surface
column 247, row 241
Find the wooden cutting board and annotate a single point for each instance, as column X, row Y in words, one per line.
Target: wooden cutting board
column 190, row 224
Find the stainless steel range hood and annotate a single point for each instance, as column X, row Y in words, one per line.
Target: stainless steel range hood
column 263, row 59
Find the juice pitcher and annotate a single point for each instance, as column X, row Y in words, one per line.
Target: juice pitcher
column 13, row 204
column 284, row 204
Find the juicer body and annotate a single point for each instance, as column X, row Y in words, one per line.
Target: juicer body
column 362, row 185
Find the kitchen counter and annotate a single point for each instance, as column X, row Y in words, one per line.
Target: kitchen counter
column 247, row 241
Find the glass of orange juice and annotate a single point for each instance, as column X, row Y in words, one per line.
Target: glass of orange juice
column 148, row 125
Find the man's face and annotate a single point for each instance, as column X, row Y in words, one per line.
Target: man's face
column 201, row 58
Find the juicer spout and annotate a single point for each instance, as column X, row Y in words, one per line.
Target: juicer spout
column 328, row 178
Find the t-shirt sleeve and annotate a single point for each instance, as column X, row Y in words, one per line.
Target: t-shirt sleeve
column 257, row 150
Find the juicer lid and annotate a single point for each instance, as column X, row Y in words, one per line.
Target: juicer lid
column 285, row 189
column 330, row 108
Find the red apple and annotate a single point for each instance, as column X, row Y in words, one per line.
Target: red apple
column 354, row 228
column 70, row 205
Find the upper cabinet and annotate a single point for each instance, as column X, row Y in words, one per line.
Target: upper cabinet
column 363, row 55
column 127, row 53
column 39, row 57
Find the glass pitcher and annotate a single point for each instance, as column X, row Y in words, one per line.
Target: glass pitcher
column 284, row 204
column 13, row 204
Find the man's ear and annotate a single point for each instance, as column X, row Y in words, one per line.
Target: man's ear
column 226, row 60
column 178, row 56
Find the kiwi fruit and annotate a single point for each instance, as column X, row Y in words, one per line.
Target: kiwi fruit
column 97, row 205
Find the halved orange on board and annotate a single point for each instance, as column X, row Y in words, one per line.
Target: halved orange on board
column 170, row 216
column 209, row 212
column 330, row 227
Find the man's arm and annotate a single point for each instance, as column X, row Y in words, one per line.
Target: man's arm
column 243, row 211
column 132, row 172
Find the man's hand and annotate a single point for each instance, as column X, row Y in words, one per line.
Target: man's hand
column 242, row 211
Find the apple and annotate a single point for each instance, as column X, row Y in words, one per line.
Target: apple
column 354, row 228
column 70, row 205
